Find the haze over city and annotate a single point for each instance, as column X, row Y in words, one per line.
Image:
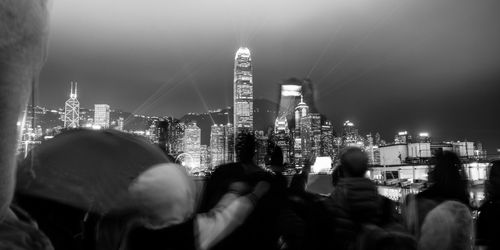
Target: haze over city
column 386, row 65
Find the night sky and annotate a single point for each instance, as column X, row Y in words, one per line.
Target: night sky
column 387, row 65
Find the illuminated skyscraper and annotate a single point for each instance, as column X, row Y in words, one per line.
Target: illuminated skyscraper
column 327, row 138
column 301, row 133
column 229, row 143
column 204, row 157
column 101, row 115
column 281, row 137
column 217, row 145
column 243, row 92
column 315, row 133
column 72, row 108
column 350, row 136
column 175, row 142
column 192, row 145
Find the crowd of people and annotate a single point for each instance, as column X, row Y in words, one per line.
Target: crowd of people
column 106, row 189
column 87, row 189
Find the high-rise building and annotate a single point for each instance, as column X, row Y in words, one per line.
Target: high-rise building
column 192, row 145
column 372, row 150
column 204, row 157
column 162, row 133
column 243, row 92
column 262, row 142
column 120, row 123
column 350, row 136
column 175, row 142
column 301, row 133
column 217, row 145
column 229, row 140
column 101, row 115
column 327, row 139
column 72, row 108
column 281, row 137
column 315, row 135
column 402, row 138
column 291, row 92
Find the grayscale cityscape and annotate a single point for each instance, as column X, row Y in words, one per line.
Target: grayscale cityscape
column 228, row 124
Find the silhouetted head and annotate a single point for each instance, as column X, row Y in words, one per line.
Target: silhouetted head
column 447, row 178
column 493, row 183
column 353, row 162
column 448, row 226
column 336, row 176
column 245, row 147
column 277, row 156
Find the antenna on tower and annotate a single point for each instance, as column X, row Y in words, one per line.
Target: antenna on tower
column 76, row 89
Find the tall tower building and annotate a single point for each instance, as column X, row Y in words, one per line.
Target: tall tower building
column 327, row 139
column 72, row 108
column 315, row 135
column 192, row 145
column 281, row 137
column 217, row 145
column 229, row 143
column 101, row 115
column 350, row 136
column 301, row 132
column 243, row 92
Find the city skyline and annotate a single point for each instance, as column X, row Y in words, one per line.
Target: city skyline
column 389, row 65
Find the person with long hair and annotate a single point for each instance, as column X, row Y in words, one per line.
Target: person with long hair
column 489, row 212
column 447, row 183
column 447, row 180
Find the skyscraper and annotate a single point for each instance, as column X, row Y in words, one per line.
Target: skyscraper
column 192, row 145
column 175, row 142
column 350, row 136
column 101, row 115
column 315, row 119
column 243, row 92
column 229, row 143
column 204, row 157
column 72, row 108
column 327, row 139
column 301, row 133
column 217, row 145
column 262, row 142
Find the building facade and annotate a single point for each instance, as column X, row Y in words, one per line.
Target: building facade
column 72, row 108
column 243, row 92
column 101, row 115
column 192, row 145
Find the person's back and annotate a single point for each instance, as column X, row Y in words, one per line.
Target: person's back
column 447, row 184
column 359, row 213
column 488, row 231
column 259, row 230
